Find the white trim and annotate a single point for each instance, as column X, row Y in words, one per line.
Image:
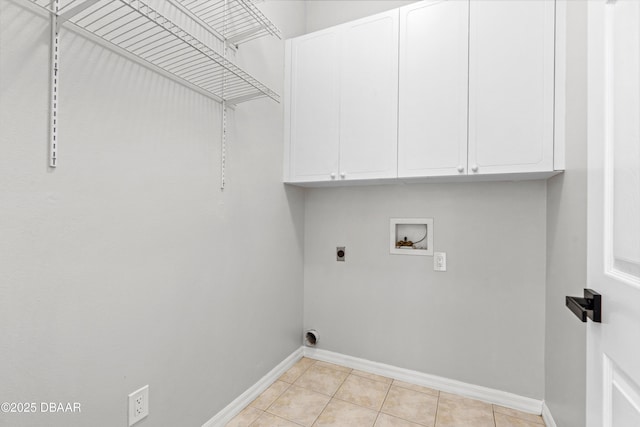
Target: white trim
column 608, row 155
column 607, row 391
column 234, row 408
column 520, row 176
column 498, row 397
column 546, row 416
column 560, row 86
column 286, row 164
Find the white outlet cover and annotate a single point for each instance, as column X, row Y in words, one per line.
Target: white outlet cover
column 138, row 405
column 440, row 261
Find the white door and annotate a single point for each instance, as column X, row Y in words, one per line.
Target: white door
column 369, row 97
column 511, row 86
column 613, row 346
column 314, row 114
column 432, row 133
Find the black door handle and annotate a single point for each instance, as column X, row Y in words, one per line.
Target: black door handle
column 590, row 306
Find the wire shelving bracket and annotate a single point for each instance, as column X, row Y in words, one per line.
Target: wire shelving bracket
column 54, row 86
column 137, row 29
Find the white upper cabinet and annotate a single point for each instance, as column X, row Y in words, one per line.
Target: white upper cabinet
column 313, row 109
column 438, row 88
column 511, row 86
column 432, row 133
column 343, row 94
column 369, row 97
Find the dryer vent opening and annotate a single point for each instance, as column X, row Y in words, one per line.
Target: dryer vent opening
column 311, row 338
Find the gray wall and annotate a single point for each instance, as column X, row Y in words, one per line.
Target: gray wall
column 565, row 347
column 481, row 322
column 126, row 265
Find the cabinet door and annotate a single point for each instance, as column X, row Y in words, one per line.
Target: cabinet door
column 511, row 86
column 369, row 97
column 432, row 134
column 314, row 114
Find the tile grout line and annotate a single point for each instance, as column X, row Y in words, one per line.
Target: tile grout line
column 357, row 404
column 354, row 404
column 383, row 401
column 385, row 398
column 371, row 379
column 401, row 418
column 404, row 419
column 331, row 397
column 493, row 413
column 265, row 412
column 376, row 420
column 277, row 397
column 290, row 384
column 435, row 420
column 517, row 417
column 252, row 422
column 320, row 413
column 418, row 391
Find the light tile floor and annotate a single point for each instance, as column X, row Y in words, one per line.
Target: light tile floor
column 315, row 393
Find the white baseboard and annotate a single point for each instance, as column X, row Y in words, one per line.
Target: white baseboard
column 234, row 408
column 489, row 395
column 546, row 416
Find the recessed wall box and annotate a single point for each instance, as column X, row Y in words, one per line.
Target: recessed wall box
column 411, row 236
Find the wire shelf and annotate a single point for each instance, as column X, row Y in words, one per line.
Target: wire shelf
column 237, row 21
column 135, row 27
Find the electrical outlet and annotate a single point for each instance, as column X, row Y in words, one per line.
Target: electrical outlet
column 340, row 253
column 138, row 405
column 440, row 261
